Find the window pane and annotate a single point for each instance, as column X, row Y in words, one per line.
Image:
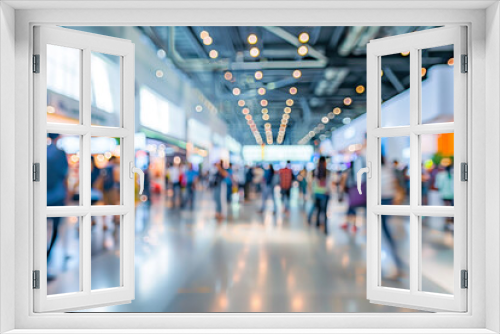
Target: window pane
column 394, row 90
column 395, row 251
column 105, row 259
column 105, row 83
column 437, row 85
column 395, row 170
column 437, row 254
column 63, row 84
column 63, row 255
column 105, row 170
column 63, row 170
column 437, row 169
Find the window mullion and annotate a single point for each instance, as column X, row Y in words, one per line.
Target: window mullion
column 414, row 167
column 85, row 166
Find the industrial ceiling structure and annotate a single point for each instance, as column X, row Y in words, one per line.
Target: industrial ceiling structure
column 285, row 85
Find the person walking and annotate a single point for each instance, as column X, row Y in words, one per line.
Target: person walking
column 268, row 188
column 218, row 185
column 174, row 176
column 286, row 178
column 321, row 186
column 57, row 173
column 191, row 183
column 445, row 186
column 388, row 190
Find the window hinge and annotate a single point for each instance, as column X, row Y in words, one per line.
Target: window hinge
column 36, row 63
column 36, row 172
column 464, row 279
column 36, row 279
column 464, row 171
column 465, row 64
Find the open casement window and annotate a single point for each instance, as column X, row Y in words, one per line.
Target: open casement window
column 425, row 137
column 71, row 139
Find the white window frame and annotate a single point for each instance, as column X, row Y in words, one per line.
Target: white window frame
column 86, row 43
column 414, row 295
column 483, row 307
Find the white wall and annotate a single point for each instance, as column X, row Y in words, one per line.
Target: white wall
column 7, row 185
column 492, row 166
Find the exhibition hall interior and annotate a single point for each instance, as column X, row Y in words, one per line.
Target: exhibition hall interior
column 250, row 139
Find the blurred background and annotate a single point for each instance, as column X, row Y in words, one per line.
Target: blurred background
column 250, row 138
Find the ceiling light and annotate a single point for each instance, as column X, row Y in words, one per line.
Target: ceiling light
column 286, row 116
column 293, row 90
column 302, row 50
column 304, row 37
column 288, row 110
column 213, row 54
column 198, row 108
column 161, row 53
column 245, row 111
column 236, row 91
column 325, row 120
column 208, row 40
column 254, row 52
column 360, row 89
column 265, row 117
column 228, row 76
column 405, row 54
column 451, row 61
column 241, row 103
column 311, row 134
column 248, row 117
column 267, row 125
column 159, row 74
column 289, row 102
column 51, row 110
column 297, row 74
column 347, row 101
column 204, row 34
column 331, row 115
column 258, row 75
column 320, row 126
column 337, row 111
column 252, row 39
column 264, row 110
column 263, row 103
column 284, row 121
column 424, row 71
column 346, row 120
column 261, row 91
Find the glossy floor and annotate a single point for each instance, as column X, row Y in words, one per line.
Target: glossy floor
column 186, row 261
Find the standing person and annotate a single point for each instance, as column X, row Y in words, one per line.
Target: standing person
column 388, row 189
column 248, row 182
column 321, row 185
column 286, row 178
column 218, row 183
column 174, row 175
column 191, row 182
column 302, row 178
column 57, row 173
column 229, row 184
column 111, row 182
column 348, row 184
column 445, row 186
column 240, row 174
column 268, row 188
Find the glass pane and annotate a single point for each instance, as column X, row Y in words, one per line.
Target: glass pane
column 105, row 89
column 105, row 170
column 63, row 255
column 437, row 85
column 437, row 254
column 105, row 248
column 63, row 84
column 395, row 251
column 437, row 169
column 63, row 170
column 395, row 170
column 394, row 90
